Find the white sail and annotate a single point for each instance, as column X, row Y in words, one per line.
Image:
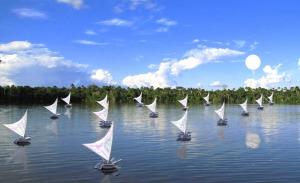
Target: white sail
column 103, row 146
column 220, row 112
column 139, row 98
column 67, row 99
column 104, row 102
column 184, row 101
column 102, row 114
column 260, row 100
column 152, row 107
column 181, row 123
column 206, row 98
column 19, row 127
column 53, row 107
column 271, row 97
column 244, row 106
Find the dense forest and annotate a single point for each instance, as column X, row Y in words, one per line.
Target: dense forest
column 119, row 95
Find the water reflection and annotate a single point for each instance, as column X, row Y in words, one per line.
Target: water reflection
column 53, row 127
column 252, row 140
column 269, row 122
column 182, row 151
column 106, row 179
column 68, row 113
column 19, row 157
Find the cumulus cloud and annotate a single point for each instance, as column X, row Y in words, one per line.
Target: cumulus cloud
column 166, row 22
column 271, row 76
column 29, row 13
column 218, row 84
column 25, row 63
column 196, row 41
column 102, row 76
column 77, row 4
column 157, row 79
column 88, row 42
column 168, row 69
column 116, row 22
column 90, row 32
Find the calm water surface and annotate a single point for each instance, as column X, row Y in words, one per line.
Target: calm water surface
column 264, row 147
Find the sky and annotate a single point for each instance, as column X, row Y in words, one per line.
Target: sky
column 143, row 43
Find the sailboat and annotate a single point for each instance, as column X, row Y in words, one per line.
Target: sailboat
column 207, row 103
column 19, row 128
column 103, row 148
column 260, row 103
column 104, row 102
column 139, row 100
column 103, row 114
column 271, row 99
column 181, row 125
column 221, row 114
column 53, row 109
column 244, row 107
column 67, row 100
column 184, row 102
column 152, row 108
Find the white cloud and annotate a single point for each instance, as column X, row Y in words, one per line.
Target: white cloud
column 90, row 32
column 218, row 84
column 146, row 4
column 162, row 29
column 25, row 63
column 168, row 69
column 15, row 46
column 196, row 41
column 29, row 13
column 88, row 42
column 157, row 79
column 116, row 22
column 152, row 66
column 271, row 76
column 166, row 22
column 253, row 45
column 102, row 76
column 77, row 4
column 196, row 57
column 239, row 43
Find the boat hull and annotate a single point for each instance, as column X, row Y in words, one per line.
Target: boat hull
column 260, row 108
column 68, row 106
column 153, row 115
column 185, row 108
column 22, row 141
column 184, row 136
column 54, row 117
column 271, row 103
column 139, row 105
column 107, row 168
column 206, row 104
column 245, row 113
column 105, row 124
column 222, row 122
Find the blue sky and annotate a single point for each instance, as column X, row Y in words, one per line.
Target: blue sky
column 149, row 43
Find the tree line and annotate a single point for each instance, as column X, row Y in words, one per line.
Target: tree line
column 121, row 95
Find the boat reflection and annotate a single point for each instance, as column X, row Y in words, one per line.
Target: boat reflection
column 252, row 140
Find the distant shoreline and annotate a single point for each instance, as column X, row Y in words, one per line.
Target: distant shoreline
column 119, row 95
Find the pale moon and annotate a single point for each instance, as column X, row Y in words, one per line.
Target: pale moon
column 252, row 62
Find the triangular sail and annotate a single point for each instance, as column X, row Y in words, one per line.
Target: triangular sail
column 206, row 98
column 53, row 107
column 244, row 106
column 139, row 98
column 102, row 114
column 103, row 146
column 271, row 97
column 67, row 99
column 19, row 127
column 184, row 101
column 104, row 102
column 181, row 123
column 152, row 107
column 260, row 100
column 220, row 112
